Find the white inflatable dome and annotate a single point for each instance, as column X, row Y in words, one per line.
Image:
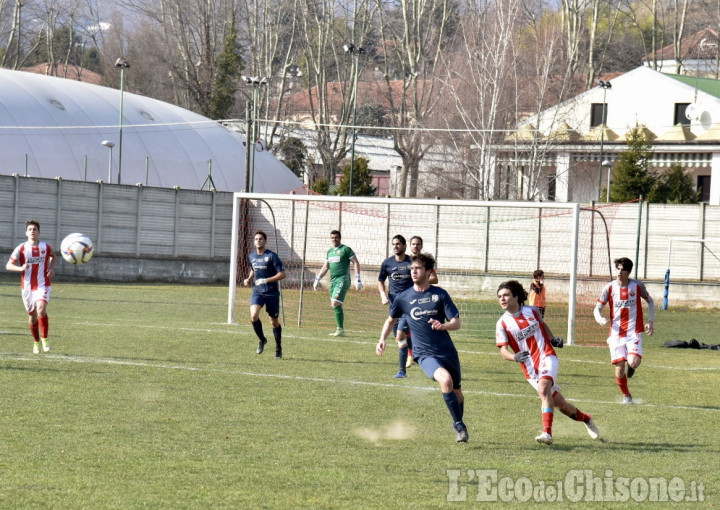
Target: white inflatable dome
column 52, row 127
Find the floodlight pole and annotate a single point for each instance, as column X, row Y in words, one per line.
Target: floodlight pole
column 248, row 127
column 605, row 85
column 252, row 135
column 122, row 64
column 608, row 165
column 109, row 145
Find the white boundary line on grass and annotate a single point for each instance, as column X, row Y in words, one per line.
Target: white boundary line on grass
column 230, row 330
column 110, row 361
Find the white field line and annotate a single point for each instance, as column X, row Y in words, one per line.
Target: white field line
column 232, row 329
column 354, row 382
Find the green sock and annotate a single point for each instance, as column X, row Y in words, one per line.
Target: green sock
column 339, row 316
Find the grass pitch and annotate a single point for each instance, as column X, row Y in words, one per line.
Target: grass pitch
column 149, row 399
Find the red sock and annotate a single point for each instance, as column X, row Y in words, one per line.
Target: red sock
column 44, row 326
column 547, row 419
column 580, row 416
column 35, row 330
column 623, row 386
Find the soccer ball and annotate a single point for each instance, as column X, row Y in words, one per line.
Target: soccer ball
column 77, row 248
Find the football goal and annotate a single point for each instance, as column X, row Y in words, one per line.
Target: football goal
column 477, row 245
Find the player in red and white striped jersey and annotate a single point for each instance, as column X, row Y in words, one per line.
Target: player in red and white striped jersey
column 626, row 322
column 522, row 336
column 35, row 261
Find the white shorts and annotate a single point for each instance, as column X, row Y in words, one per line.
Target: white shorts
column 30, row 297
column 548, row 368
column 621, row 348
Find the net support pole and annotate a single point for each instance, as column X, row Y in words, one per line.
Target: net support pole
column 572, row 294
column 302, row 265
column 233, row 260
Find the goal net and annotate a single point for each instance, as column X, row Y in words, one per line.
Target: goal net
column 477, row 245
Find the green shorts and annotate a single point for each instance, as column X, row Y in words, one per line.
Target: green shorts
column 338, row 288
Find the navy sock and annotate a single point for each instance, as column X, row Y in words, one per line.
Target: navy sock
column 402, row 357
column 453, row 405
column 257, row 326
column 277, row 333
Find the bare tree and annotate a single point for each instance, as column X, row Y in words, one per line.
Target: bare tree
column 679, row 17
column 482, row 88
column 574, row 15
column 412, row 39
column 329, row 73
column 13, row 54
column 269, row 33
column 193, row 35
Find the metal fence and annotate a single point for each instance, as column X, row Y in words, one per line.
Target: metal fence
column 134, row 221
column 140, row 221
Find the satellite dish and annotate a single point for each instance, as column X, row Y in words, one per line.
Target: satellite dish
column 693, row 111
column 260, row 145
column 705, row 118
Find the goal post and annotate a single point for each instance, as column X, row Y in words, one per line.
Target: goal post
column 476, row 244
column 701, row 242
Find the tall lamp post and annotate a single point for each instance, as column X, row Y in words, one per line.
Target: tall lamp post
column 605, row 86
column 607, row 164
column 122, row 64
column 255, row 82
column 354, row 52
column 109, row 145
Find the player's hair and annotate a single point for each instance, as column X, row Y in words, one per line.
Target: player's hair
column 263, row 234
column 32, row 222
column 336, row 232
column 401, row 239
column 427, row 260
column 538, row 273
column 418, row 238
column 625, row 262
column 517, row 290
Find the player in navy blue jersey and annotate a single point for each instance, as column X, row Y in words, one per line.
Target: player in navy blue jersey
column 416, row 247
column 396, row 270
column 431, row 313
column 267, row 270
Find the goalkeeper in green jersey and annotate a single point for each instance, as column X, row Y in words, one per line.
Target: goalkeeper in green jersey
column 338, row 261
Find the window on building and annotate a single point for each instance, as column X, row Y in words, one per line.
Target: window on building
column 680, row 114
column 598, row 114
column 703, row 183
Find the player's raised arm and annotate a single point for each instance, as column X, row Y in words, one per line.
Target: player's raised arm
column 451, row 325
column 597, row 312
column 249, row 278
column 356, row 266
column 386, row 329
column 319, row 276
column 649, row 326
column 383, row 295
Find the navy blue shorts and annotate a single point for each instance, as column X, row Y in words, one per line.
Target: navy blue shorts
column 270, row 302
column 401, row 325
column 450, row 362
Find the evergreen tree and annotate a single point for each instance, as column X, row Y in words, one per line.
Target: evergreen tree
column 294, row 154
column 675, row 187
column 362, row 180
column 91, row 60
column 632, row 176
column 321, row 186
column 228, row 66
column 372, row 115
column 66, row 44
